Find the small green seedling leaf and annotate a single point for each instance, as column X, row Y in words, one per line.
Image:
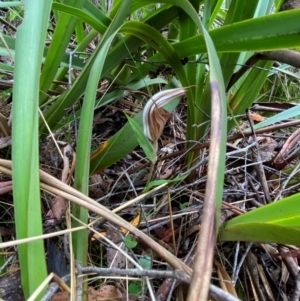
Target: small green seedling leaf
column 146, row 262
column 161, row 182
column 135, row 289
column 129, row 242
column 184, row 205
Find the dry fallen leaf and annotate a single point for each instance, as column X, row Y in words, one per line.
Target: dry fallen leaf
column 116, row 259
column 59, row 206
column 257, row 117
column 105, row 293
column 61, row 296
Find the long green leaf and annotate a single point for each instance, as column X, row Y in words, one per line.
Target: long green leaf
column 82, row 171
column 82, row 168
column 270, row 32
column 27, row 203
column 261, row 232
column 81, row 15
column 214, row 187
column 270, row 223
column 60, row 40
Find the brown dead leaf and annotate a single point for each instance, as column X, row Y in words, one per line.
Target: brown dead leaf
column 98, row 235
column 135, row 222
column 167, row 235
column 116, row 259
column 61, row 296
column 105, row 293
column 167, row 173
column 257, row 117
column 97, row 186
column 59, row 208
column 266, row 148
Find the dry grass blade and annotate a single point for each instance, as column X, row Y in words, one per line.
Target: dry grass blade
column 210, row 217
column 225, row 280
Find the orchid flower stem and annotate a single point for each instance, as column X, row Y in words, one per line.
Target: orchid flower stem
column 150, row 174
column 149, row 177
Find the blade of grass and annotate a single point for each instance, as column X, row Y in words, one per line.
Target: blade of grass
column 271, row 32
column 82, row 169
column 81, row 15
column 61, row 38
column 187, row 29
column 31, row 36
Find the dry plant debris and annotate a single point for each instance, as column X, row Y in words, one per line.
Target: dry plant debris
column 257, row 271
column 264, row 272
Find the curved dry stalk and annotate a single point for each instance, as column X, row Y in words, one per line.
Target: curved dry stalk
column 200, row 282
